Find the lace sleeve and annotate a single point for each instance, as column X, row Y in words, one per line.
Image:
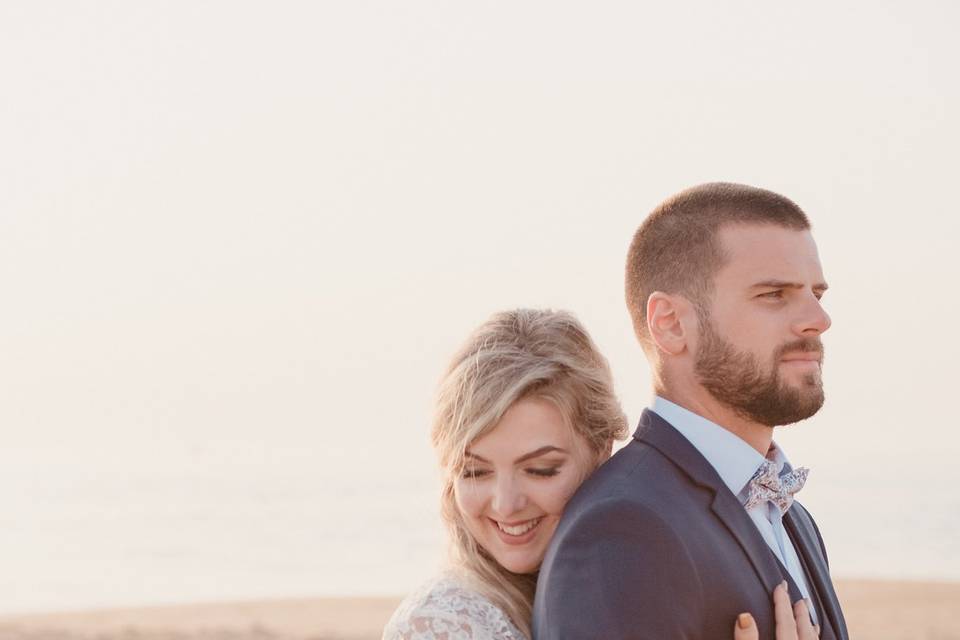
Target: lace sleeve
column 432, row 626
column 445, row 610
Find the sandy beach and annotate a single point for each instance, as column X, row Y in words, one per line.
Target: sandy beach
column 876, row 610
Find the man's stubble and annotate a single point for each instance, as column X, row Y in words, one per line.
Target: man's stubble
column 737, row 379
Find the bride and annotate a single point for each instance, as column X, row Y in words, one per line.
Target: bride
column 525, row 412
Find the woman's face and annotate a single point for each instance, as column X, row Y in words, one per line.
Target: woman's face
column 517, row 479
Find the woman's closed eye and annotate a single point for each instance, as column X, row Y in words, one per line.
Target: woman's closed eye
column 544, row 472
column 474, row 472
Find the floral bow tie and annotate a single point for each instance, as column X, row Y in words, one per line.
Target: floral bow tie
column 767, row 485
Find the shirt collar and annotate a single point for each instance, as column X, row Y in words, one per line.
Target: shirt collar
column 734, row 460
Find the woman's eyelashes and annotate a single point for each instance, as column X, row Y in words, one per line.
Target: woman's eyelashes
column 544, row 472
column 475, row 473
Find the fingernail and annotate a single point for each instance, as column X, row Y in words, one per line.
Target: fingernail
column 784, row 584
column 744, row 620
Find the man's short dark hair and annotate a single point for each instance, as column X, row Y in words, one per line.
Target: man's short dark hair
column 676, row 250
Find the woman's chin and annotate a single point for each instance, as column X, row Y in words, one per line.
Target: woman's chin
column 522, row 566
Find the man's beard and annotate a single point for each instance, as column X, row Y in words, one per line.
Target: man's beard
column 736, row 379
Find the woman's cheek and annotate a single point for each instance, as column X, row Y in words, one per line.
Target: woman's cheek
column 468, row 497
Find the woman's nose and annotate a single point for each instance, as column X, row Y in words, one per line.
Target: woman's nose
column 508, row 498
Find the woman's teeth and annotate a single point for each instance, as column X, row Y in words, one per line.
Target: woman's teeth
column 519, row 529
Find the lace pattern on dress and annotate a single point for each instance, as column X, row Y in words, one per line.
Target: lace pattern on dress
column 444, row 609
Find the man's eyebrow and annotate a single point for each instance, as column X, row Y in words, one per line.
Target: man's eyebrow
column 785, row 284
column 527, row 456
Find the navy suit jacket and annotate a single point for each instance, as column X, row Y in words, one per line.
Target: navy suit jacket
column 654, row 546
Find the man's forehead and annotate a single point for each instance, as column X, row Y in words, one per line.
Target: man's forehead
column 770, row 252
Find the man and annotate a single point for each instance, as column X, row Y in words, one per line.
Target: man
column 694, row 522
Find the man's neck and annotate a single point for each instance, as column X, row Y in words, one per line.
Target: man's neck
column 700, row 402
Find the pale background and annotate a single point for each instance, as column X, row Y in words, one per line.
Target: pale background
column 238, row 242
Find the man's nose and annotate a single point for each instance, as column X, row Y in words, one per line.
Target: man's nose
column 813, row 319
column 508, row 498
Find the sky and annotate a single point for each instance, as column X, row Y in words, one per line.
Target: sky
column 239, row 241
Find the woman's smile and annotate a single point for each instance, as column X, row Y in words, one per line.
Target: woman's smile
column 518, row 533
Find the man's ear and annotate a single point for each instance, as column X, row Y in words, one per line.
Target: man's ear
column 666, row 316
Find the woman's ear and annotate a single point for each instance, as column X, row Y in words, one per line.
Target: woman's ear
column 665, row 321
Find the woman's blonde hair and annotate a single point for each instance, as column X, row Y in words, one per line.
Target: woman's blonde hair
column 514, row 355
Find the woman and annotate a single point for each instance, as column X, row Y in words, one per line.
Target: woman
column 525, row 412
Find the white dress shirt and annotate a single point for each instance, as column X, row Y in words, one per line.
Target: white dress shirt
column 735, row 462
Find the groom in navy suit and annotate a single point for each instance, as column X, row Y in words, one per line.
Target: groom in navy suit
column 694, row 521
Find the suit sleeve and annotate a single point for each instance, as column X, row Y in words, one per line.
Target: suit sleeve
column 618, row 571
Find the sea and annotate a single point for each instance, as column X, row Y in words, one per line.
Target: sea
column 110, row 535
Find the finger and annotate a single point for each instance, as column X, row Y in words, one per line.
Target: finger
column 745, row 628
column 816, row 630
column 786, row 625
column 801, row 614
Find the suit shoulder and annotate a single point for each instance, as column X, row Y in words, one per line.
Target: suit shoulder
column 627, row 476
column 619, row 526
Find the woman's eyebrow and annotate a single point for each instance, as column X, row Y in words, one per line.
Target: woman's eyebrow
column 539, row 452
column 523, row 458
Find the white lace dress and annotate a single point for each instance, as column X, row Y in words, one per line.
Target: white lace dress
column 446, row 609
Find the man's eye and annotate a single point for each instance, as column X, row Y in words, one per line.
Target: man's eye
column 772, row 295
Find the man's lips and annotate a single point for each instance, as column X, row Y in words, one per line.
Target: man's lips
column 805, row 356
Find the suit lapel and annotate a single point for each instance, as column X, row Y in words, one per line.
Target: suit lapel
column 764, row 562
column 796, row 595
column 658, row 433
column 808, row 548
